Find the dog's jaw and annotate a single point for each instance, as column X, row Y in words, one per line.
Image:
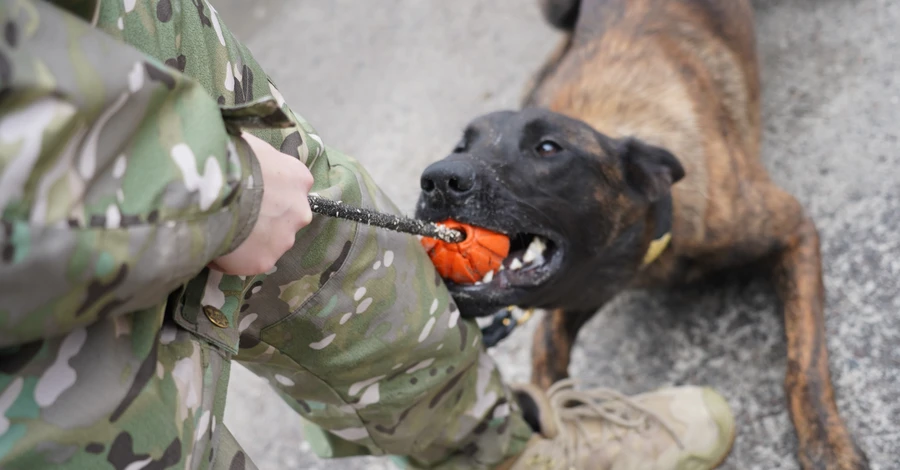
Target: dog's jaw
column 519, row 281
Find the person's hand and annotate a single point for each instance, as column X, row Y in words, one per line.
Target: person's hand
column 284, row 211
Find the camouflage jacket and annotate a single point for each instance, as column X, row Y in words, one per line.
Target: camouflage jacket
column 110, row 160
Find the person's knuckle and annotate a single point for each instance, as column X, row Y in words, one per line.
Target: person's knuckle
column 273, row 255
column 259, row 263
column 266, row 264
column 252, row 266
column 307, row 180
column 286, row 242
column 302, row 215
column 305, row 218
column 301, row 174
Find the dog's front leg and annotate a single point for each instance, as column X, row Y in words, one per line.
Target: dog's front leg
column 825, row 442
column 552, row 345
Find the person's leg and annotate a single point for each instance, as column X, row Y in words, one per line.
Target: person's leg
column 354, row 327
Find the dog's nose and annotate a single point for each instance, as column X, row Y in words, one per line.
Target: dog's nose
column 453, row 179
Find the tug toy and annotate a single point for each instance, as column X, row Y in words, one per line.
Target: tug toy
column 462, row 253
column 481, row 251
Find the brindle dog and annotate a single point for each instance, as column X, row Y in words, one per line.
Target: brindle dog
column 641, row 95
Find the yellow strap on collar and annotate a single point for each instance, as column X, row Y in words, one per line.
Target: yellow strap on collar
column 662, row 225
column 656, row 248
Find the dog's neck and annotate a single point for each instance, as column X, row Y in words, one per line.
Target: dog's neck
column 615, row 266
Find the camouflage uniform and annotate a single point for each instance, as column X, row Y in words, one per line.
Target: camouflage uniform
column 121, row 177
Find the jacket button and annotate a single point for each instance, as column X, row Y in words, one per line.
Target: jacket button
column 215, row 316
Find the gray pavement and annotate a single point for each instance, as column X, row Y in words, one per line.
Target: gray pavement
column 392, row 82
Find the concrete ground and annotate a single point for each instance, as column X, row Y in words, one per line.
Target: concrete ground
column 394, row 81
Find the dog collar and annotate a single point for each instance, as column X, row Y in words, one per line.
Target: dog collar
column 662, row 214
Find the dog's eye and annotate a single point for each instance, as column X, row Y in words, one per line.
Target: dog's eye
column 547, row 148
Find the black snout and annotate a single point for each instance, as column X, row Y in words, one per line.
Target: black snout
column 451, row 180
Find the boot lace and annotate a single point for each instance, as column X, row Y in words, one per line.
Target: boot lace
column 571, row 406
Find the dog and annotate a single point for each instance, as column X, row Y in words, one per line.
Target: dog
column 634, row 162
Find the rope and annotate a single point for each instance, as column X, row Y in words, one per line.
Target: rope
column 397, row 223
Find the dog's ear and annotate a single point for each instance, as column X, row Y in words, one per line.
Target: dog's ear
column 649, row 170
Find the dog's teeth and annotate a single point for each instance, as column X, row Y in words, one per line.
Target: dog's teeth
column 478, row 283
column 535, row 250
column 488, row 277
column 538, row 245
column 516, row 264
column 530, row 256
column 501, row 268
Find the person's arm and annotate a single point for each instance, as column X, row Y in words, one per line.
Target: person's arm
column 118, row 179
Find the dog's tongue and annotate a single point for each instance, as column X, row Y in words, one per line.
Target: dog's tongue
column 470, row 260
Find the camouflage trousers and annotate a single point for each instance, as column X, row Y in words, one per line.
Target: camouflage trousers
column 353, row 328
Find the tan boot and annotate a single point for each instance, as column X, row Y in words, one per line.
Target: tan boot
column 680, row 428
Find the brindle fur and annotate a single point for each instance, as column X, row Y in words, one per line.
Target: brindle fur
column 683, row 75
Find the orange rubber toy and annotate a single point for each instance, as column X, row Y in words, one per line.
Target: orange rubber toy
column 468, row 261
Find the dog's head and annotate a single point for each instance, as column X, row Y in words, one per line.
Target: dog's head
column 573, row 201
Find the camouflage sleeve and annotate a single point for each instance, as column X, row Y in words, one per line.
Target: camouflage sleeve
column 119, row 177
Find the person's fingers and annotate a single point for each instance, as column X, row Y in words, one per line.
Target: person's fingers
column 241, row 262
column 300, row 183
column 283, row 212
column 303, row 202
